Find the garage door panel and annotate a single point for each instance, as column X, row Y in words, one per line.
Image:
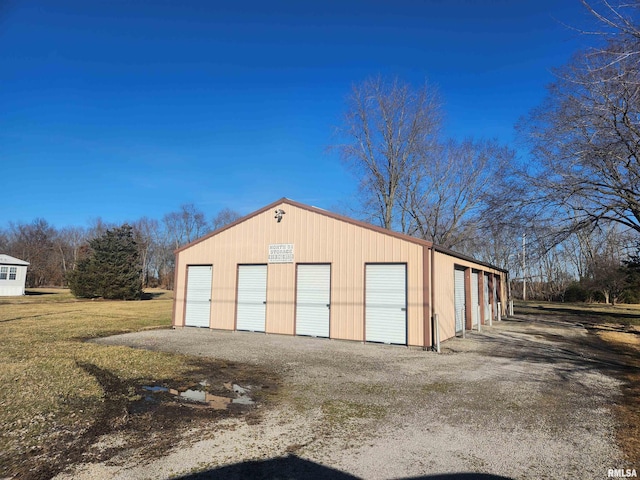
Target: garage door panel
column 386, row 303
column 313, row 300
column 252, row 297
column 198, row 301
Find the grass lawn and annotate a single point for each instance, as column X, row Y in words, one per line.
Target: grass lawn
column 596, row 313
column 55, row 387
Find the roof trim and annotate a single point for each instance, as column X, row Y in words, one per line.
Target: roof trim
column 309, row 208
column 467, row 258
column 342, row 218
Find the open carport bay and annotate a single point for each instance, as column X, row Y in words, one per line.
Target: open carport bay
column 519, row 400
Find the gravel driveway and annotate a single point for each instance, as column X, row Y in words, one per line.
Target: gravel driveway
column 517, row 400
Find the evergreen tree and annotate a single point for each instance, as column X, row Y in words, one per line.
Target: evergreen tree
column 111, row 269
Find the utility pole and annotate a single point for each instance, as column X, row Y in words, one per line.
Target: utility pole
column 524, row 266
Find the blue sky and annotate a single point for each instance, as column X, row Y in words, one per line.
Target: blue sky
column 122, row 109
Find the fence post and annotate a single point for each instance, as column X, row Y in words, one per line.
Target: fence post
column 499, row 312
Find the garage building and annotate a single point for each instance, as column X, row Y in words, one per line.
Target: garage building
column 294, row 269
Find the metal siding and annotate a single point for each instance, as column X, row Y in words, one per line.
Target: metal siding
column 313, row 300
column 252, row 297
column 444, row 288
column 474, row 298
column 281, row 285
column 318, row 239
column 198, row 301
column 386, row 303
column 443, row 302
column 459, row 298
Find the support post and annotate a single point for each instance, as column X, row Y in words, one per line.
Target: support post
column 436, row 328
column 499, row 312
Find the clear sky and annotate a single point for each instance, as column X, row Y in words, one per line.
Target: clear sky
column 121, row 109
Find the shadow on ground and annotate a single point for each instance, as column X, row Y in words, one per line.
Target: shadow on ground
column 586, row 316
column 292, row 467
column 150, row 295
column 576, row 353
column 573, row 354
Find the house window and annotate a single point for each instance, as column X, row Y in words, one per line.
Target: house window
column 12, row 273
column 3, row 273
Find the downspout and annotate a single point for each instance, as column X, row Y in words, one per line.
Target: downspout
column 433, row 296
column 426, row 302
column 175, row 290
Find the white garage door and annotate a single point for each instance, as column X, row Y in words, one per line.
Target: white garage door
column 198, row 304
column 386, row 303
column 474, row 299
column 313, row 300
column 459, row 299
column 252, row 297
column 487, row 308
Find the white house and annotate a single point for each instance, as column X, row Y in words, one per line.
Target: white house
column 13, row 274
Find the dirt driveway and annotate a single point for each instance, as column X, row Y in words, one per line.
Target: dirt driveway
column 518, row 400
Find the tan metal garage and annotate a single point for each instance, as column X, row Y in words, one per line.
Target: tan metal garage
column 294, row 269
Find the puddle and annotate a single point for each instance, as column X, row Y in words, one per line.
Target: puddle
column 201, row 397
column 155, row 389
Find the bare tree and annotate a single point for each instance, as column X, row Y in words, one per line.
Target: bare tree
column 35, row 243
column 163, row 258
column 68, row 243
column 143, row 233
column 619, row 19
column 98, row 227
column 585, row 137
column 186, row 224
column 4, row 241
column 554, row 276
column 224, row 217
column 390, row 128
column 604, row 251
column 607, row 277
column 448, row 196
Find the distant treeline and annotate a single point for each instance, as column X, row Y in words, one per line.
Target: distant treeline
column 53, row 252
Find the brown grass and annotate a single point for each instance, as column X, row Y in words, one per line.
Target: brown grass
column 627, row 347
column 59, row 393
